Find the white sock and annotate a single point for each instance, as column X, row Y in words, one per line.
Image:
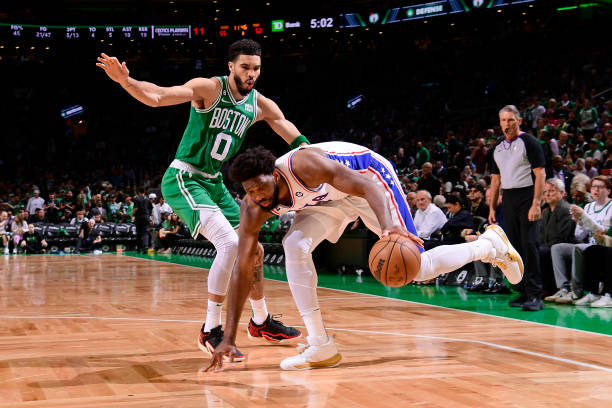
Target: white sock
column 260, row 310
column 447, row 258
column 213, row 315
column 316, row 329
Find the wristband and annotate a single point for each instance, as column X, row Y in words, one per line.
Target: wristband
column 296, row 142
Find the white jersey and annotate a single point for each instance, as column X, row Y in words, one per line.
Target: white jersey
column 355, row 157
column 335, row 209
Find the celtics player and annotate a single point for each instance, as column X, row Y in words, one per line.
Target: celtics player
column 222, row 109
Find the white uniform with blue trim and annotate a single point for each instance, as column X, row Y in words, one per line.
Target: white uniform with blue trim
column 324, row 212
column 332, row 209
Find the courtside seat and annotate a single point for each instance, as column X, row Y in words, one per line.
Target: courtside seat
column 52, row 234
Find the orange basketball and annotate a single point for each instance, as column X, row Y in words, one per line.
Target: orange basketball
column 394, row 260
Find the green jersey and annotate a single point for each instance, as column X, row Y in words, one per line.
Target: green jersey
column 215, row 134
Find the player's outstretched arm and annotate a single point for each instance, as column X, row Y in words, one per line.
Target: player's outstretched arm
column 269, row 111
column 151, row 94
column 252, row 217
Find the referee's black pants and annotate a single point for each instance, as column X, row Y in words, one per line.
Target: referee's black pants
column 524, row 236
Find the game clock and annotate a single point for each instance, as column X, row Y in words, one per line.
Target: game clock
column 323, row 22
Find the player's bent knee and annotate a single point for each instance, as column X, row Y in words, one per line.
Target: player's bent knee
column 297, row 248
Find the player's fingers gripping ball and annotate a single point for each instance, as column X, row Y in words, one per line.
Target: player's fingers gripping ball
column 395, row 260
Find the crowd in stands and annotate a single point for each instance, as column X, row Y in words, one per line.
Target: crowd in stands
column 436, row 120
column 446, row 182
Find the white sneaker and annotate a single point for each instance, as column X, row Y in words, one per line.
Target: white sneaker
column 97, row 252
column 6, row 251
column 586, row 300
column 604, row 301
column 560, row 293
column 313, row 356
column 506, row 257
column 569, row 297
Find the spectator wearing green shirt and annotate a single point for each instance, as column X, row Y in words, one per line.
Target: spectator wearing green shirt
column 125, row 214
column 113, row 209
column 422, row 155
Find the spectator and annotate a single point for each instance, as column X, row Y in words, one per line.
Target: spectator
column 516, row 160
column 4, row 231
column 89, row 237
column 98, row 209
column 411, row 199
column 428, row 181
column 480, row 156
column 38, row 216
column 440, row 202
column 67, row 207
column 18, row 227
column 594, row 152
column 142, row 218
column 595, row 256
column 477, row 205
column 459, row 219
column 559, row 172
column 113, row 209
column 422, row 155
column 589, row 169
column 587, row 116
column 79, row 219
column 533, row 112
column 557, row 227
column 32, row 242
column 562, row 144
column 428, row 218
column 156, row 212
column 565, row 105
column 606, row 166
column 568, row 258
column 172, row 229
column 52, row 209
column 35, row 202
column 125, row 213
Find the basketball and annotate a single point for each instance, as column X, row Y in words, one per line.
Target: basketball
column 394, row 260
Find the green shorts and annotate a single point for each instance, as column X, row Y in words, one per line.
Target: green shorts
column 188, row 193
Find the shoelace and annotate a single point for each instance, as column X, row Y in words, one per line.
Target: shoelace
column 274, row 318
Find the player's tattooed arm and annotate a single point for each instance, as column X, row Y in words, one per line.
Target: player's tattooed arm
column 257, row 285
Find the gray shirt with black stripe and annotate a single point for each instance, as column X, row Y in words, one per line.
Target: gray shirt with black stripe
column 514, row 161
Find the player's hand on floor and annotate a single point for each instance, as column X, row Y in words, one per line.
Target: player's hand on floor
column 396, row 229
column 224, row 348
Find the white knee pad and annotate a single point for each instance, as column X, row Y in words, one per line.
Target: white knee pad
column 217, row 229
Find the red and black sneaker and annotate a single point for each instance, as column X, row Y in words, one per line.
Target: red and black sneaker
column 209, row 340
column 272, row 330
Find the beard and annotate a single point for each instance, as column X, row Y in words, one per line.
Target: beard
column 274, row 202
column 242, row 90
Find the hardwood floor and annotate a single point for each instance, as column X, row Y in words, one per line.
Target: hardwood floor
column 117, row 331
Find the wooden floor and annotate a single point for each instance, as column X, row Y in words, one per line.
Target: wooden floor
column 115, row 331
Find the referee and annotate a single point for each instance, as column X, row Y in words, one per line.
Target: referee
column 517, row 166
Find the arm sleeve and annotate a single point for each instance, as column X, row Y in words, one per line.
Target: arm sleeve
column 535, row 154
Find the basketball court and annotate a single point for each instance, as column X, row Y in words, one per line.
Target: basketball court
column 120, row 331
